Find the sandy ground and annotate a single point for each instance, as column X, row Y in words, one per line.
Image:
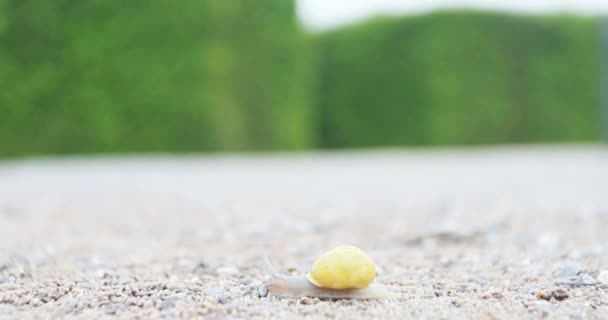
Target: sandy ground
column 458, row 233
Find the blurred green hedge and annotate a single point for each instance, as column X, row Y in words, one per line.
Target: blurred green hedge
column 114, row 76
column 130, row 76
column 459, row 78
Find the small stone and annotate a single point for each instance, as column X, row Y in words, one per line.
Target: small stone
column 540, row 294
column 69, row 305
column 112, row 309
column 167, row 304
column 170, row 301
column 104, row 274
column 482, row 281
column 494, row 295
column 571, row 268
column 35, row 302
column 208, row 304
column 603, row 277
column 544, row 305
column 533, row 316
column 131, row 301
column 497, row 295
column 148, row 304
column 223, row 300
column 216, row 291
column 559, row 294
column 262, row 291
column 588, row 280
column 577, row 281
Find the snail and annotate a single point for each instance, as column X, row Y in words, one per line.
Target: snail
column 343, row 272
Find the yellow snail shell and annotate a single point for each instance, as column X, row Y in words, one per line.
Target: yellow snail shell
column 344, row 267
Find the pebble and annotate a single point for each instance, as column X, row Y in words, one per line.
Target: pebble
column 223, row 300
column 262, row 291
column 571, row 268
column 577, row 281
column 170, row 301
column 528, row 289
column 544, row 305
column 113, row 309
column 144, row 293
column 69, row 304
column 131, row 301
column 492, row 295
column 480, row 280
column 235, row 290
column 105, row 274
column 588, row 280
column 168, row 304
column 534, row 316
column 559, row 294
column 35, row 302
column 216, row 291
column 603, row 277
column 542, row 295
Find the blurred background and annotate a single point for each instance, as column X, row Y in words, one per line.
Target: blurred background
column 109, row 76
column 187, row 119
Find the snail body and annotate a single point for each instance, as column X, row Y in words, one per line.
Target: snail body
column 299, row 286
column 344, row 272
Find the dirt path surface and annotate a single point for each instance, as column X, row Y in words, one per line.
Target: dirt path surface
column 507, row 233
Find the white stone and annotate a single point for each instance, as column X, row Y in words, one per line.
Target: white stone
column 603, row 277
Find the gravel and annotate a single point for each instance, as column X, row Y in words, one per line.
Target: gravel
column 488, row 233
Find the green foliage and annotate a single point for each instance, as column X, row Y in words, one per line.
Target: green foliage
column 459, row 78
column 190, row 75
column 109, row 75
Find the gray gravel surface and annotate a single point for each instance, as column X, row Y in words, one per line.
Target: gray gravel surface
column 488, row 233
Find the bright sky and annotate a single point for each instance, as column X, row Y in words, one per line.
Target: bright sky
column 326, row 14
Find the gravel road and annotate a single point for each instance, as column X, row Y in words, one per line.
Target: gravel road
column 480, row 233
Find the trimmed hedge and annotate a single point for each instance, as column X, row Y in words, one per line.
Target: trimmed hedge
column 115, row 76
column 459, row 78
column 131, row 76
